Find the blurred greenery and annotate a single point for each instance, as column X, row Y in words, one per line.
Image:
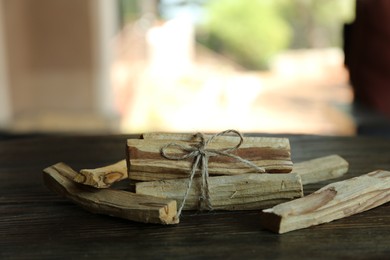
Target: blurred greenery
column 251, row 32
column 317, row 23
column 129, row 11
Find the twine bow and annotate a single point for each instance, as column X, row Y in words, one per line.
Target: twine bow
column 201, row 155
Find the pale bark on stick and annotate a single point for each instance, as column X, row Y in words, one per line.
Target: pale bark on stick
column 190, row 137
column 169, row 136
column 182, row 168
column 273, row 154
column 103, row 177
column 116, row 203
column 321, row 169
column 240, row 192
column 334, row 201
column 311, row 171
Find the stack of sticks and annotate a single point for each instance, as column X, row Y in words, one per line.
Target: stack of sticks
column 160, row 184
column 232, row 185
column 248, row 173
column 256, row 174
column 148, row 164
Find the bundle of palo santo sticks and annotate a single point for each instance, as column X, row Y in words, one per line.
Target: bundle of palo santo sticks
column 243, row 173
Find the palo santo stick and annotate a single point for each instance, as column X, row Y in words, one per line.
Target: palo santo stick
column 334, row 201
column 311, row 171
column 103, row 177
column 321, row 169
column 185, row 136
column 273, row 154
column 240, row 192
column 155, row 176
column 116, row 203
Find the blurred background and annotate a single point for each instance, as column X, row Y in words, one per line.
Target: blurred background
column 131, row 66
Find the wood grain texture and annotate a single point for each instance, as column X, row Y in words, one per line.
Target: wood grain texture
column 190, row 137
column 321, row 169
column 334, row 201
column 240, row 192
column 36, row 223
column 116, row 203
column 273, row 154
column 311, row 171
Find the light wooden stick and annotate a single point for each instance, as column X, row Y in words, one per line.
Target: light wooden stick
column 240, row 192
column 311, row 171
column 186, row 136
column 116, row 203
column 321, row 169
column 334, row 201
column 103, row 177
column 273, row 154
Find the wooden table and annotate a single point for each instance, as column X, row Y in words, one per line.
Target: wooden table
column 36, row 223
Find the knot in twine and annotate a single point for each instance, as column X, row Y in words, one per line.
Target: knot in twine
column 201, row 155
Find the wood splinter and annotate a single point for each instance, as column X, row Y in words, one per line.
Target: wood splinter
column 334, row 201
column 103, row 177
column 123, row 204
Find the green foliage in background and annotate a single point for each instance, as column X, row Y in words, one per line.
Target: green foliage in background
column 251, row 32
column 247, row 31
column 317, row 23
column 128, row 11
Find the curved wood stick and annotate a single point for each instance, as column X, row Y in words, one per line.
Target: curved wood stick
column 123, row 204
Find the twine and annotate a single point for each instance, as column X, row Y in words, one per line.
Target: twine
column 201, row 155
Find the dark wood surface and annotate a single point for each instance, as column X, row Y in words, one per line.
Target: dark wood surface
column 36, row 223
